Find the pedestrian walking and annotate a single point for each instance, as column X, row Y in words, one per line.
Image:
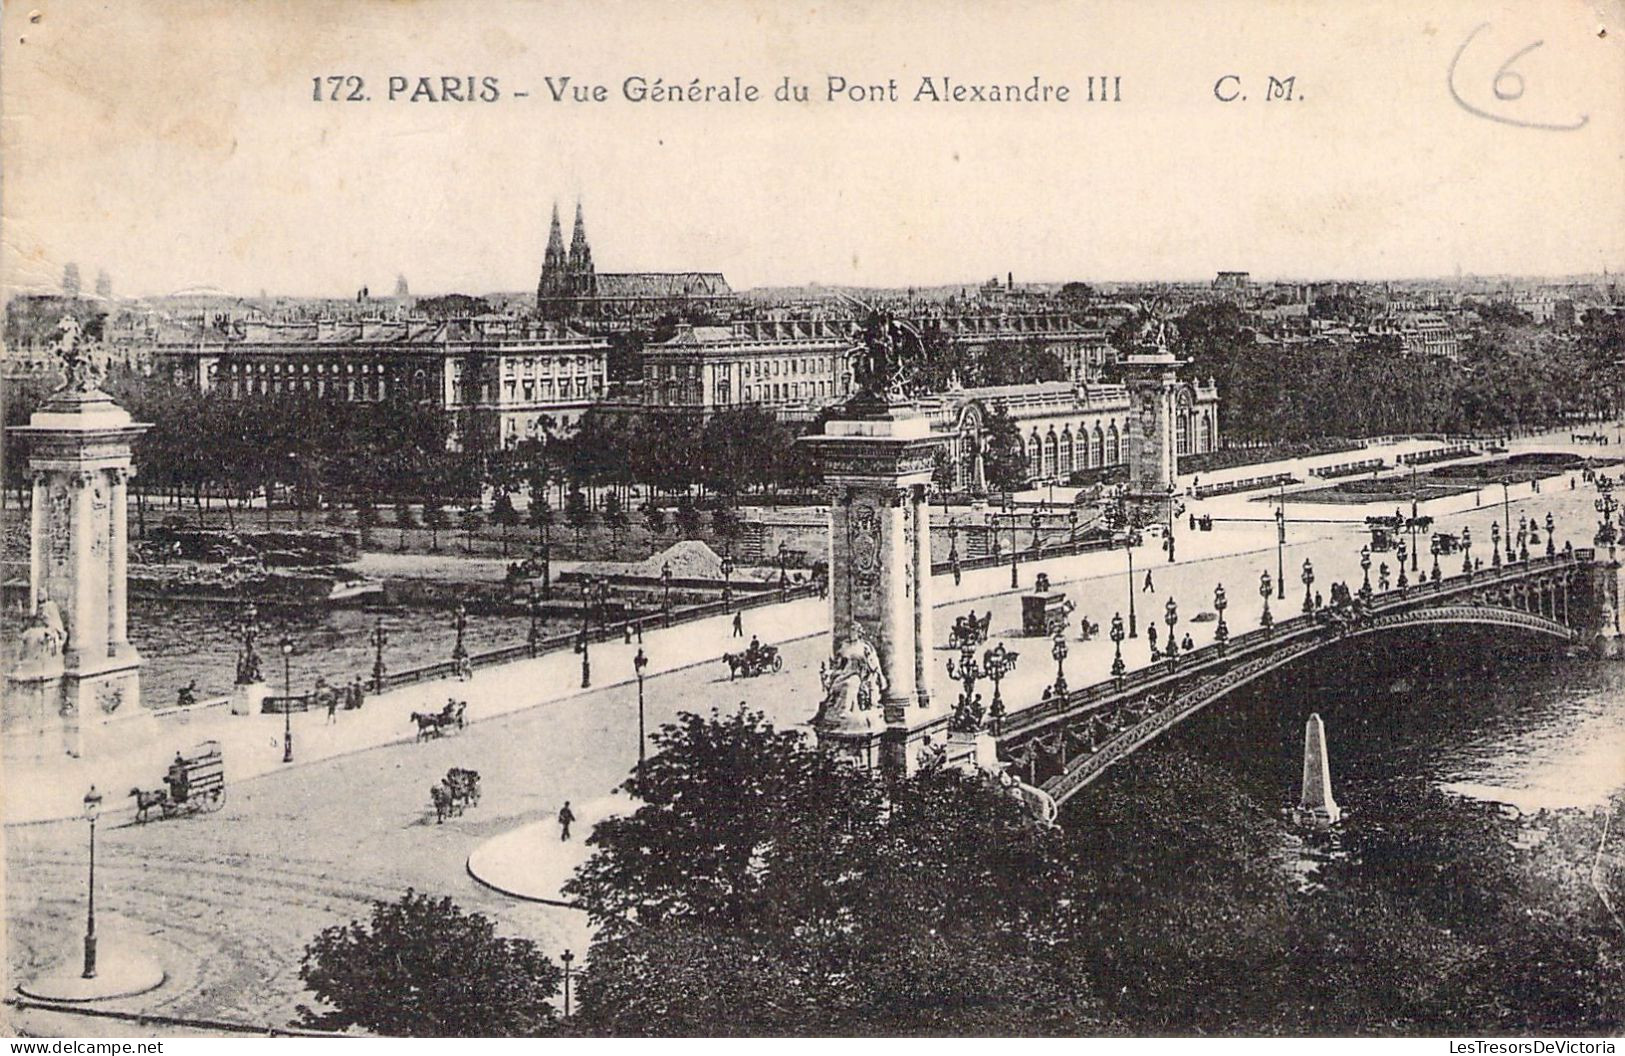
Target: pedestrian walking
column 739, row 625
column 358, row 692
column 566, row 816
column 332, row 696
column 1186, row 643
column 1151, row 633
column 1152, row 587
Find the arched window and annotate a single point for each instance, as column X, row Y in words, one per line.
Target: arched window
column 1035, row 456
column 1114, row 452
column 1097, row 448
column 1067, row 452
column 1183, row 433
column 1050, row 446
column 1207, row 432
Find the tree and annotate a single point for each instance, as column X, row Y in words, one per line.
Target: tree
column 615, row 517
column 434, row 519
column 504, row 514
column 104, row 284
column 473, row 521
column 655, row 518
column 70, row 279
column 366, row 518
column 404, row 518
column 687, row 518
column 421, row 967
column 1004, row 461
column 577, row 514
column 540, row 515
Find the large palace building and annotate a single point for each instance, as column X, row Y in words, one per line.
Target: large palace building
column 571, row 288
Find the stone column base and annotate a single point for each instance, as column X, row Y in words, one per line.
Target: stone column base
column 246, row 698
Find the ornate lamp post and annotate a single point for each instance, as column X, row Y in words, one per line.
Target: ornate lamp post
column 1280, row 545
column 1072, row 525
column 665, row 587
column 1551, row 546
column 533, row 636
column 287, row 700
column 1015, row 553
column 727, row 581
column 968, row 713
column 639, row 662
column 602, row 584
column 586, row 636
column 93, row 807
column 1467, row 550
column 1365, row 570
column 1506, row 513
column 1435, row 548
column 1128, row 548
column 1265, row 589
column 459, row 622
column 568, row 958
column 1404, row 581
column 1221, row 633
column 996, row 663
column 953, row 540
column 1308, row 577
column 379, row 640
column 784, row 576
column 1523, row 547
column 1495, row 544
column 1118, row 667
column 1171, row 617
column 1057, row 653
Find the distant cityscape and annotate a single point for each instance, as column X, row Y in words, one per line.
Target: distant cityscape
column 515, row 366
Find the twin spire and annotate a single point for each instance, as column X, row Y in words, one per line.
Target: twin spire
column 580, row 254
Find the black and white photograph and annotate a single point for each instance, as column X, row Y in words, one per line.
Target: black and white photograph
column 876, row 520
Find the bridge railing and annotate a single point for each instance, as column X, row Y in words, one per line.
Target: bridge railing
column 1037, row 716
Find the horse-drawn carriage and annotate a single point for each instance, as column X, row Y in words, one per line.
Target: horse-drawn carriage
column 756, row 660
column 436, row 723
column 457, row 791
column 1446, row 543
column 970, row 629
column 194, row 782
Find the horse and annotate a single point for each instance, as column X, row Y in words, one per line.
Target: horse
column 464, row 785
column 145, row 801
column 428, row 725
column 444, row 803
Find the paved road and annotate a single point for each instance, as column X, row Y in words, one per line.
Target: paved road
column 227, row 900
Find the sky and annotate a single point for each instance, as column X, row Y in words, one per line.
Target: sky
column 177, row 144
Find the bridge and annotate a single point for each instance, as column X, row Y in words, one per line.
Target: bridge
column 1066, row 742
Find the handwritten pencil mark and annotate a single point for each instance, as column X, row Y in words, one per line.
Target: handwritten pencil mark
column 1508, row 85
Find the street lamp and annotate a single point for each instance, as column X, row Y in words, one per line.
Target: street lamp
column 1035, row 520
column 953, row 540
column 379, row 640
column 1308, row 577
column 996, row 663
column 968, row 713
column 1015, row 552
column 1265, row 589
column 287, row 700
column 639, row 662
column 1128, row 548
column 1436, row 547
column 1551, row 547
column 1118, row 667
column 1404, row 581
column 1171, row 617
column 459, row 623
column 1467, row 550
column 665, row 586
column 568, row 958
column 784, row 576
column 727, row 580
column 1280, row 544
column 1221, row 633
column 1495, row 544
column 533, row 636
column 1057, row 652
column 1506, row 513
column 93, row 807
column 1365, row 569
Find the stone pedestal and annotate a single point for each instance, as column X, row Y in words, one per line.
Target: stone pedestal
column 1152, row 374
column 881, row 710
column 246, row 697
column 76, row 661
column 1316, row 808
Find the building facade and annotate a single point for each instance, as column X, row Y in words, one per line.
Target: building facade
column 789, row 367
column 1064, row 428
column 499, row 379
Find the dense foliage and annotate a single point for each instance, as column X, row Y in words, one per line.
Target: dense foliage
column 423, row 968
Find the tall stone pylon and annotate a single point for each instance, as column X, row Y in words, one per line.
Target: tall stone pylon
column 1152, row 374
column 1316, row 808
column 876, row 459
column 77, row 674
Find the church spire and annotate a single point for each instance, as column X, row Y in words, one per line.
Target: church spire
column 580, row 251
column 555, row 241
